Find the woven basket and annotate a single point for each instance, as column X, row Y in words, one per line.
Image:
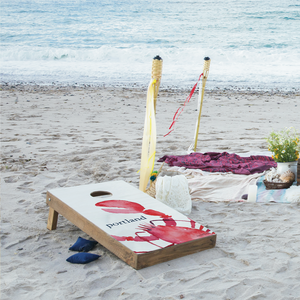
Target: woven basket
column 277, row 185
column 151, row 191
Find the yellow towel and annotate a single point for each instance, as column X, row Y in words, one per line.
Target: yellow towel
column 149, row 139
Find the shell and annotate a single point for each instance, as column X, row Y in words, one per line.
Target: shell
column 272, row 176
column 287, row 176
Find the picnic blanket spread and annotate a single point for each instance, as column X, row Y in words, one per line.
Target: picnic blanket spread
column 265, row 196
column 221, row 162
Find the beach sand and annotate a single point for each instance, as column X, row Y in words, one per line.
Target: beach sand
column 54, row 136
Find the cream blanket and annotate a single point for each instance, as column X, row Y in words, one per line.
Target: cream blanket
column 215, row 187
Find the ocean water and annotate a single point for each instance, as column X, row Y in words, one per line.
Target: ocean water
column 251, row 43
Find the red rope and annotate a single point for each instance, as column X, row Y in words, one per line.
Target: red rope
column 180, row 109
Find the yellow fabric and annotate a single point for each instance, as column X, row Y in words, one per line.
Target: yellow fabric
column 149, row 139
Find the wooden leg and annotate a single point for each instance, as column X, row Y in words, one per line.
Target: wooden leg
column 52, row 219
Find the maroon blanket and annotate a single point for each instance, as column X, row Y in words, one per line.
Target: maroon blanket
column 221, row 162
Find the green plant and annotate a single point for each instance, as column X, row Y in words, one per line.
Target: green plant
column 284, row 145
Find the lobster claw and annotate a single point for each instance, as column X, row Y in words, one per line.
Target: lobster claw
column 128, row 207
column 121, row 206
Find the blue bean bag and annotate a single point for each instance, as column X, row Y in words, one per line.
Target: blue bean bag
column 83, row 245
column 82, row 258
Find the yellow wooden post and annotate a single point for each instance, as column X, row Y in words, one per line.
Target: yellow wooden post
column 204, row 78
column 149, row 137
column 156, row 75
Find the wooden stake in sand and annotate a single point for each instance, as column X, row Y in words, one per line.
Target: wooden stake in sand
column 201, row 94
column 149, row 137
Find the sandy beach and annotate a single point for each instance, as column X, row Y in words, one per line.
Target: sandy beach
column 63, row 136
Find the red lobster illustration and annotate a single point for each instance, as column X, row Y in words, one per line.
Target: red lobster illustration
column 167, row 230
column 128, row 207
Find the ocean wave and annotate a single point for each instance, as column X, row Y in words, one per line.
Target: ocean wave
column 109, row 65
column 140, row 54
column 111, row 41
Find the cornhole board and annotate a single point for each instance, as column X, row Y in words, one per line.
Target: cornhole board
column 137, row 228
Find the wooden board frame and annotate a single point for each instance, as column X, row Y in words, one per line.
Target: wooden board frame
column 137, row 261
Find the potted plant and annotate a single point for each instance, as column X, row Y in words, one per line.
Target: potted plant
column 285, row 146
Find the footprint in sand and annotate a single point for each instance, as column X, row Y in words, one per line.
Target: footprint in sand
column 11, row 179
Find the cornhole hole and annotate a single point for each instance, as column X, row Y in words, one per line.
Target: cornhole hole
column 135, row 227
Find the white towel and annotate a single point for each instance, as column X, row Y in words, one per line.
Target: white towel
column 293, row 194
column 174, row 192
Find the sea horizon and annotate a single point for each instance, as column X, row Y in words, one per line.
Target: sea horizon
column 252, row 45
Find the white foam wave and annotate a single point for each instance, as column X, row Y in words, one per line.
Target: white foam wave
column 123, row 64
